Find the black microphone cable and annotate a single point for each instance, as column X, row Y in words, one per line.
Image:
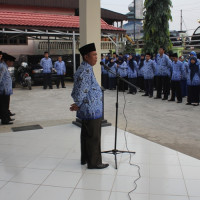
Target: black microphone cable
column 130, row 156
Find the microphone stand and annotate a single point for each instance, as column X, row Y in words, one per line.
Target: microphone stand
column 115, row 151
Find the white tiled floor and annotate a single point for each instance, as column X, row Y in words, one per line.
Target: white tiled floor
column 45, row 165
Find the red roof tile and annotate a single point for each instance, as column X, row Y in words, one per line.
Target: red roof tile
column 16, row 18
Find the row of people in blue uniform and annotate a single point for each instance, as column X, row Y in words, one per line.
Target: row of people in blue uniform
column 162, row 72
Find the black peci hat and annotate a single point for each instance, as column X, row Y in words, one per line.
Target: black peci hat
column 87, row 49
column 1, row 53
column 175, row 55
column 7, row 57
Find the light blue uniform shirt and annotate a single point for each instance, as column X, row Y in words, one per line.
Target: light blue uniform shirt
column 164, row 65
column 122, row 69
column 177, row 71
column 132, row 73
column 140, row 70
column 149, row 69
column 5, row 80
column 60, row 67
column 113, row 69
column 87, row 93
column 47, row 65
column 196, row 79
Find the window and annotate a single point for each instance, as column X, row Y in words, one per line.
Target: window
column 9, row 40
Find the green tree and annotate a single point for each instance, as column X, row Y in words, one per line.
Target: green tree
column 156, row 25
column 129, row 48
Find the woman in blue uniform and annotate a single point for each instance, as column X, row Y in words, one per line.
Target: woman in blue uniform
column 112, row 78
column 140, row 78
column 132, row 73
column 193, row 82
column 122, row 71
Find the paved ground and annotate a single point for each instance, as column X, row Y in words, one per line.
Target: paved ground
column 170, row 124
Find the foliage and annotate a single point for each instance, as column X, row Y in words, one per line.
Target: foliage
column 129, row 48
column 156, row 25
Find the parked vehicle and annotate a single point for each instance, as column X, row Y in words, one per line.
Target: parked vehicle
column 195, row 40
column 179, row 37
column 37, row 74
column 24, row 75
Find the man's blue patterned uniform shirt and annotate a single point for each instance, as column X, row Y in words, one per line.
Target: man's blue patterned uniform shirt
column 87, row 93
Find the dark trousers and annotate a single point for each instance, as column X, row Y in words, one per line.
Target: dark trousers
column 149, row 86
column 193, row 94
column 104, row 81
column 140, row 83
column 91, row 142
column 163, row 84
column 4, row 104
column 60, row 79
column 112, row 83
column 122, row 85
column 133, row 81
column 176, row 90
column 47, row 80
column 184, row 88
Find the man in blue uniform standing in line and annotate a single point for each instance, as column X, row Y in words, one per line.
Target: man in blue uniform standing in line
column 5, row 88
column 163, row 74
column 87, row 96
column 46, row 64
column 177, row 74
column 61, row 71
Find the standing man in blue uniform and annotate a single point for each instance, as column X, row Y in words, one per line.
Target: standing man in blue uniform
column 149, row 71
column 47, row 65
column 163, row 74
column 61, row 71
column 5, row 88
column 87, row 96
column 177, row 74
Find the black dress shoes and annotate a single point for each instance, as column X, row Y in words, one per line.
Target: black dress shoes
column 164, row 99
column 83, row 162
column 11, row 120
column 7, row 123
column 179, row 101
column 157, row 97
column 12, row 114
column 100, row 166
column 171, row 100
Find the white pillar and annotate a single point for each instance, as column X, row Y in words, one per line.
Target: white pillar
column 90, row 28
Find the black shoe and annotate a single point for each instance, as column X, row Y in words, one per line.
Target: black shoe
column 64, row 87
column 11, row 120
column 188, row 104
column 83, row 162
column 164, row 99
column 100, row 166
column 179, row 101
column 12, row 114
column 7, row 123
column 145, row 95
column 197, row 104
column 50, row 88
column 171, row 100
column 157, row 97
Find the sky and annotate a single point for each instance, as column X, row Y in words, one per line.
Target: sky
column 191, row 12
